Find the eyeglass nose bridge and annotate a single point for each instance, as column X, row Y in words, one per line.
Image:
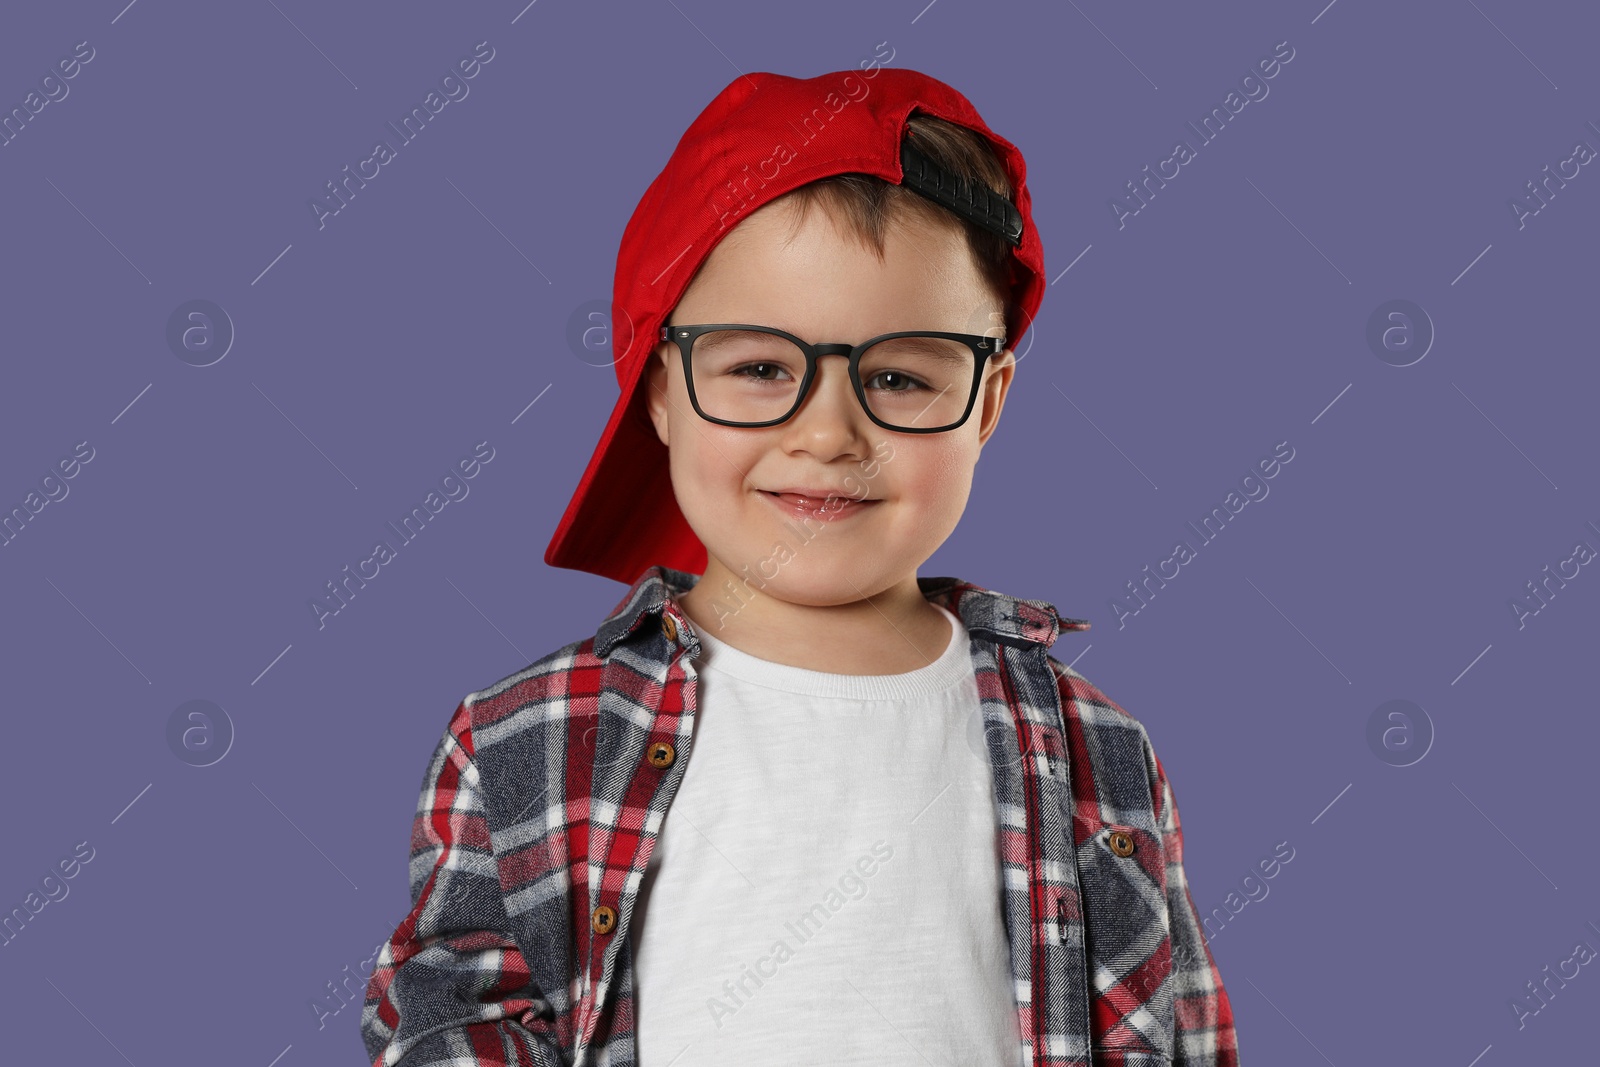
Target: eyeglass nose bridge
column 826, row 348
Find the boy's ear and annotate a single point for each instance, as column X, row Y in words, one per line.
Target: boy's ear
column 992, row 396
column 656, row 385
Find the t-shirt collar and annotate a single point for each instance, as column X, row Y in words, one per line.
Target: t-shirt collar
column 986, row 613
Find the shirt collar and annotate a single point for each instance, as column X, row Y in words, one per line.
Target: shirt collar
column 995, row 616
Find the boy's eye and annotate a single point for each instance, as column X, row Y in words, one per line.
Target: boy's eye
column 739, row 372
column 902, row 382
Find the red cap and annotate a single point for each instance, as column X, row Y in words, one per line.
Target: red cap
column 763, row 136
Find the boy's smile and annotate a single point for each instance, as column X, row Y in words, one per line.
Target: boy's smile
column 814, row 528
column 820, row 503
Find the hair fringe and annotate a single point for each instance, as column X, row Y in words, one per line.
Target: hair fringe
column 865, row 205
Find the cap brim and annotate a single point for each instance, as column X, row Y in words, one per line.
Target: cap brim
column 624, row 517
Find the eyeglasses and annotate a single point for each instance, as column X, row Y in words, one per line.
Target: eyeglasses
column 918, row 381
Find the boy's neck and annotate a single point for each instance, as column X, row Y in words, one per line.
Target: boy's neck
column 894, row 631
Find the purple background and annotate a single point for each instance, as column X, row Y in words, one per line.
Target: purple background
column 1226, row 316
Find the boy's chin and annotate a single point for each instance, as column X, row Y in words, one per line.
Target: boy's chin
column 813, row 575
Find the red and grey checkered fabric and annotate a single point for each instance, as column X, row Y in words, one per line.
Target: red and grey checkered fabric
column 541, row 806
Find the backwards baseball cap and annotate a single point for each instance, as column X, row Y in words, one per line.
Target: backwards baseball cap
column 763, row 136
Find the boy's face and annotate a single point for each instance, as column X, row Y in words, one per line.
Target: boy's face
column 826, row 287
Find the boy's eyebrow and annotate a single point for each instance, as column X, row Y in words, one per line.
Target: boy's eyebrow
column 722, row 337
column 934, row 346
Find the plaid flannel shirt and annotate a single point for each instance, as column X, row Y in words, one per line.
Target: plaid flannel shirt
column 544, row 798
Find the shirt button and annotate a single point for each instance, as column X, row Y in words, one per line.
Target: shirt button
column 669, row 627
column 1121, row 843
column 662, row 754
column 604, row 920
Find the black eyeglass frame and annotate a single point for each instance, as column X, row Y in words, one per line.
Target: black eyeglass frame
column 983, row 348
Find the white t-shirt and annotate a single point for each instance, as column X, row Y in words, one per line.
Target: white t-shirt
column 826, row 886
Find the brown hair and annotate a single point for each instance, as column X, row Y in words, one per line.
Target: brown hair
column 865, row 204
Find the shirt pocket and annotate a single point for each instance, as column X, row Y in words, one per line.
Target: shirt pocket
column 1122, row 872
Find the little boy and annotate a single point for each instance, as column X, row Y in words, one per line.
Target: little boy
column 793, row 803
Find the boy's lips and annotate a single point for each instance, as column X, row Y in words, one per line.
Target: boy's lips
column 812, row 493
column 823, row 502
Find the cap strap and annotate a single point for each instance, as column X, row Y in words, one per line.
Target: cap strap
column 972, row 202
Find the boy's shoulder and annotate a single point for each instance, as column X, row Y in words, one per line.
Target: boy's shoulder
column 1116, row 740
column 1113, row 736
column 568, row 680
column 557, row 681
column 1088, row 699
column 567, row 683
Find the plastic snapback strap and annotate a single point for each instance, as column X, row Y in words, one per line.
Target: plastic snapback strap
column 974, row 203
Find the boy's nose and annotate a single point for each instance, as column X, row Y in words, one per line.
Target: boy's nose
column 830, row 421
column 831, row 394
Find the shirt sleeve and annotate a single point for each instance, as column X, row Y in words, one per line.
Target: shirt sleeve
column 450, row 986
column 1202, row 1014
